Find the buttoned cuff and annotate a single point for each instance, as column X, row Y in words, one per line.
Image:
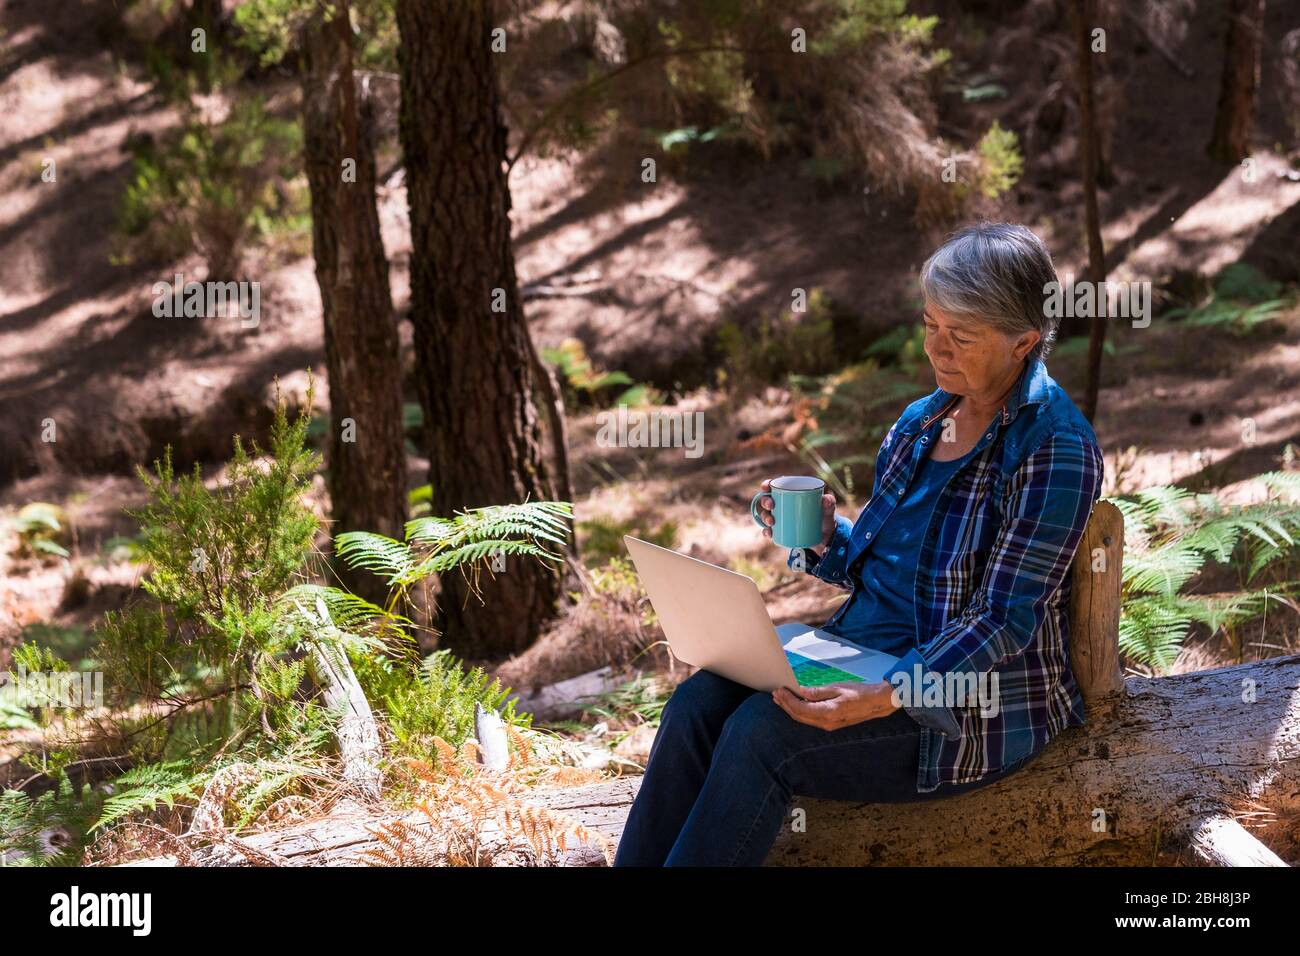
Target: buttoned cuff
column 830, row 564
column 914, row 677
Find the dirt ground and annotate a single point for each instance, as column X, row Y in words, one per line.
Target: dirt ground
column 651, row 272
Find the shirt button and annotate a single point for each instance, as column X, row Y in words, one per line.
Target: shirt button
column 989, row 435
column 841, row 550
column 868, row 534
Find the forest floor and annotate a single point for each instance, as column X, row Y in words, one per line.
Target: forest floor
column 655, row 270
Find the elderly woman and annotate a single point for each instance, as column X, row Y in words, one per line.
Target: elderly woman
column 957, row 565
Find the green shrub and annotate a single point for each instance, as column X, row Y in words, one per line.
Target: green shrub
column 214, row 186
column 49, row 829
column 435, row 699
column 209, row 675
column 1000, row 161
column 604, row 538
column 799, row 343
column 584, row 384
column 42, row 529
column 1243, row 298
column 1244, row 283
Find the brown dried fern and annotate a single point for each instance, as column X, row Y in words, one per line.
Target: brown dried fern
column 459, row 797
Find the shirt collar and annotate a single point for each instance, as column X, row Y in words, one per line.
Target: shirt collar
column 1031, row 388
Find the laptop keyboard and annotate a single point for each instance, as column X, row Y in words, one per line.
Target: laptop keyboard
column 811, row 673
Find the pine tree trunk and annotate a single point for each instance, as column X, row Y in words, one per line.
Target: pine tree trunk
column 366, row 450
column 1236, row 110
column 1083, row 18
column 473, row 363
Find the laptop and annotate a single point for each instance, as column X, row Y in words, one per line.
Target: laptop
column 715, row 618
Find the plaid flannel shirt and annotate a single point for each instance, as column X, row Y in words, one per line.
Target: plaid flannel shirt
column 992, row 581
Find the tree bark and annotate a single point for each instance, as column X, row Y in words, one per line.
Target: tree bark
column 366, row 455
column 1095, row 591
column 1083, row 17
column 357, row 733
column 1173, row 761
column 1235, row 113
column 473, row 354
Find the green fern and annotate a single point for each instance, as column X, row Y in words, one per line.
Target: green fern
column 316, row 611
column 48, row 829
column 435, row 545
column 1243, row 298
column 142, row 789
column 437, row 698
column 536, row 519
column 1170, row 535
column 377, row 553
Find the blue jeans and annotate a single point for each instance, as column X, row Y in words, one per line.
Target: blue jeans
column 727, row 761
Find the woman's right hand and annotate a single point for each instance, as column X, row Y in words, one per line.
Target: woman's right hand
column 765, row 505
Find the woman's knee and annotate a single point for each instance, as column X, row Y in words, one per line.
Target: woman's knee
column 703, row 691
column 757, row 725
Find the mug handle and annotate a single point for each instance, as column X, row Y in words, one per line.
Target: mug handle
column 753, row 508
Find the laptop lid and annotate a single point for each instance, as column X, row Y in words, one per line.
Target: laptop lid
column 713, row 617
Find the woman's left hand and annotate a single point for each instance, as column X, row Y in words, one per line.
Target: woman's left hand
column 832, row 706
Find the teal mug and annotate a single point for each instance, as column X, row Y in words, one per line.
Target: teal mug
column 797, row 508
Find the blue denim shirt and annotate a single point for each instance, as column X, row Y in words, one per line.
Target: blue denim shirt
column 992, row 584
column 881, row 613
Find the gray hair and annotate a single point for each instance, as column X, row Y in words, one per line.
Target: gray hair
column 997, row 272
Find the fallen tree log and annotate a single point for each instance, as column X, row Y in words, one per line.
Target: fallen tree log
column 1181, row 761
column 1154, row 766
column 567, row 697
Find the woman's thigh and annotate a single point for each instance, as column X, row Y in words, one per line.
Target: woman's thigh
column 699, row 707
column 874, row 761
column 871, row 761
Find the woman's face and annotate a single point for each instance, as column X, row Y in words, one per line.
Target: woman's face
column 971, row 357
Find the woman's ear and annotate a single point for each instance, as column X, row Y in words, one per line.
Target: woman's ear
column 1025, row 344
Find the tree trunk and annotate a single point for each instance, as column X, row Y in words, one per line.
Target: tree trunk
column 1174, row 762
column 1083, row 18
column 1236, row 109
column 473, row 353
column 366, row 450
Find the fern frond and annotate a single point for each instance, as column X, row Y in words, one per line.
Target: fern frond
column 1162, row 570
column 1166, row 504
column 382, row 555
column 1223, row 610
column 534, row 519
column 443, row 561
column 1285, row 483
column 349, row 612
column 1151, row 631
column 142, row 789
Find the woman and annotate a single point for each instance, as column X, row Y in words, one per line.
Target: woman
column 958, row 565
